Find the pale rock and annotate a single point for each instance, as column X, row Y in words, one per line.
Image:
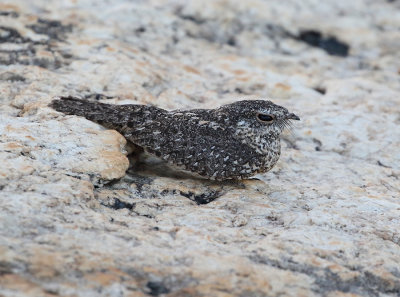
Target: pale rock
column 78, row 218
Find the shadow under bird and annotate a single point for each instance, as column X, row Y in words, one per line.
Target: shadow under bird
column 234, row 141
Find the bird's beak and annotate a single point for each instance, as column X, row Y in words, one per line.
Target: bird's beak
column 292, row 116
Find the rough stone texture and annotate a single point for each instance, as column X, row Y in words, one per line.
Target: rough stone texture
column 324, row 222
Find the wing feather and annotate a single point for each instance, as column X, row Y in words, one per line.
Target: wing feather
column 193, row 141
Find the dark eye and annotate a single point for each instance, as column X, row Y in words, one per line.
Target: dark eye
column 265, row 118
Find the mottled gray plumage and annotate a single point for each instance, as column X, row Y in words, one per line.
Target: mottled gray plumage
column 234, row 141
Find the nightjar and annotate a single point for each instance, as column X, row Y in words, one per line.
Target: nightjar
column 234, row 141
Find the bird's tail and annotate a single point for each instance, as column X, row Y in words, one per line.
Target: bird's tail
column 95, row 111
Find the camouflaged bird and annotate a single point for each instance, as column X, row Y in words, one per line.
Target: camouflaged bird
column 234, row 141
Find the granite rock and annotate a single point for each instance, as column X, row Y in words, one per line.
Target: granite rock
column 78, row 220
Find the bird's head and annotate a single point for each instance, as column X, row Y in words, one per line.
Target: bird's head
column 260, row 117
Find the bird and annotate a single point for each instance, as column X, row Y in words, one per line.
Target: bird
column 232, row 142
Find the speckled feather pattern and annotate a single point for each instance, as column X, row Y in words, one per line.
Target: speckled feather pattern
column 224, row 143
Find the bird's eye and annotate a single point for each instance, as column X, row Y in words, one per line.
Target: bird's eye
column 265, row 118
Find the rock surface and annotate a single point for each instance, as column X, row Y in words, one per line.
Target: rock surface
column 75, row 221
